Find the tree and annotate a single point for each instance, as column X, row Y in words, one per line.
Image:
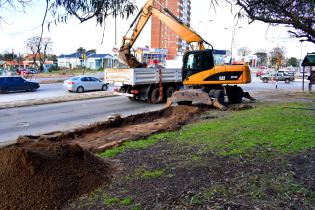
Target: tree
column 39, row 47
column 243, row 51
column 298, row 14
column 262, row 57
column 293, row 61
column 277, row 56
column 91, row 51
column 81, row 50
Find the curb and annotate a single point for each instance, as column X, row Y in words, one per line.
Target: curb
column 31, row 102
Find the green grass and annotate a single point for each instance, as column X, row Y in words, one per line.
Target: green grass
column 126, row 201
column 140, row 144
column 152, row 174
column 274, row 127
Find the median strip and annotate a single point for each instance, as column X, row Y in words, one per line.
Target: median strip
column 74, row 97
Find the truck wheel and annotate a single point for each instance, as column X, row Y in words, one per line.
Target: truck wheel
column 235, row 95
column 265, row 80
column 155, row 96
column 219, row 94
column 287, row 81
column 211, row 93
column 169, row 92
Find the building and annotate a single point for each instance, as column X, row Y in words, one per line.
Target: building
column 164, row 37
column 89, row 60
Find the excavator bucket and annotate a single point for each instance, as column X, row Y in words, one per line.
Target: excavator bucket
column 122, row 56
column 188, row 96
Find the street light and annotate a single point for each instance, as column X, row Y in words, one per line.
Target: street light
column 232, row 39
column 205, row 23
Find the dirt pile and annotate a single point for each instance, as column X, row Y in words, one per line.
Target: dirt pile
column 114, row 131
column 44, row 175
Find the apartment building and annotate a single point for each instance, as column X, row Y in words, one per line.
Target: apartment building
column 164, row 37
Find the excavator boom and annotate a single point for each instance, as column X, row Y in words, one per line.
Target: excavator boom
column 169, row 19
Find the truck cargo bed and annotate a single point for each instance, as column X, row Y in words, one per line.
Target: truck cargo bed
column 139, row 76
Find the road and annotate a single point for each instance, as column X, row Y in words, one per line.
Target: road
column 34, row 120
column 56, row 90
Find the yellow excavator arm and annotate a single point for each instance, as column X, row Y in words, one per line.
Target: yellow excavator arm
column 169, row 19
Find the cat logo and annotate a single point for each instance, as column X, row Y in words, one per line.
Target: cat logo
column 221, row 77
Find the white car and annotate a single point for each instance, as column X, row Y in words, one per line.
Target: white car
column 81, row 84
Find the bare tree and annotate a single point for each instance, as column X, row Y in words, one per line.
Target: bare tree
column 298, row 14
column 39, row 47
column 16, row 5
column 243, row 51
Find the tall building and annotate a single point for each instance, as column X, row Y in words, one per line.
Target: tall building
column 164, row 37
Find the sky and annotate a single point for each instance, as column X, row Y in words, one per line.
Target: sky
column 214, row 26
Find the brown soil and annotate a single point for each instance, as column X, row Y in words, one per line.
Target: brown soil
column 116, row 130
column 45, row 175
column 44, row 172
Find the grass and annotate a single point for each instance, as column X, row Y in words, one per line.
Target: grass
column 140, row 144
column 152, row 174
column 271, row 127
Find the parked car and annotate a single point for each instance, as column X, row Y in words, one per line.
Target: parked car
column 24, row 71
column 285, row 76
column 80, row 84
column 12, row 83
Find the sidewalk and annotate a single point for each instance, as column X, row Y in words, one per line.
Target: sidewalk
column 74, row 97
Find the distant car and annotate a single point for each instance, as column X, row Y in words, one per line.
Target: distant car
column 260, row 73
column 11, row 83
column 285, row 76
column 81, row 84
column 24, row 71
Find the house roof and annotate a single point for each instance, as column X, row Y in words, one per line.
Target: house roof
column 309, row 60
column 88, row 55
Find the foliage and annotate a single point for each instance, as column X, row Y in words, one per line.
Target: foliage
column 262, row 57
column 293, row 61
column 297, row 14
column 86, row 10
column 277, row 55
column 244, row 51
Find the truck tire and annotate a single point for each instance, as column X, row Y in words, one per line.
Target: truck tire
column 155, row 96
column 265, row 80
column 219, row 94
column 287, row 80
column 169, row 92
column 235, row 95
column 211, row 93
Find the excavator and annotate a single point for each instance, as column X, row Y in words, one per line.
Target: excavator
column 203, row 81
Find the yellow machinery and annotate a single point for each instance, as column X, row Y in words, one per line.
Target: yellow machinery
column 198, row 70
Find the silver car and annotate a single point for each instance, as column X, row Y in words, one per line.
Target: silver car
column 80, row 84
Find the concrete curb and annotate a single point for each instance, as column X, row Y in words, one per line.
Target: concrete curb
column 75, row 97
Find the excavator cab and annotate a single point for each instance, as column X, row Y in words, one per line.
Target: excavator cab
column 197, row 61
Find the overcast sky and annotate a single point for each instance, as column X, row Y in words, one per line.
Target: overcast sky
column 215, row 27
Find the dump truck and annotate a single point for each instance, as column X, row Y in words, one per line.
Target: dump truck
column 199, row 79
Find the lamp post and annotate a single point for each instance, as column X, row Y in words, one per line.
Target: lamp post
column 205, row 23
column 233, row 30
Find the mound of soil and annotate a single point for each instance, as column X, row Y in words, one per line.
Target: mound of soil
column 45, row 174
column 103, row 135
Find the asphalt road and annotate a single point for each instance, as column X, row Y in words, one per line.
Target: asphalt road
column 40, row 119
column 34, row 120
